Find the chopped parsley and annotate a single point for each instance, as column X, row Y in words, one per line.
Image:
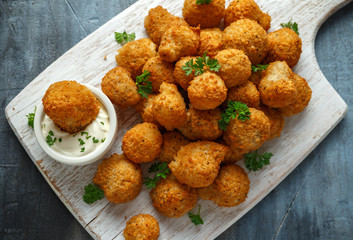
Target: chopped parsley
column 201, row 2
column 95, row 140
column 81, row 141
column 30, row 117
column 103, row 140
column 102, row 123
column 82, row 149
column 60, row 139
column 50, row 140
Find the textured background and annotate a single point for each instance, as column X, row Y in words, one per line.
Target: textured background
column 313, row 202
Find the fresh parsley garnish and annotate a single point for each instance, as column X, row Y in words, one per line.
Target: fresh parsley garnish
column 196, row 218
column 83, row 133
column 144, row 87
column 88, row 137
column 124, row 37
column 95, row 140
column 200, row 65
column 50, row 140
column 254, row 161
column 82, row 149
column 81, row 141
column 30, row 117
column 92, row 193
column 103, row 139
column 291, row 25
column 102, row 123
column 258, row 68
column 60, row 139
column 74, row 135
column 235, row 110
column 51, row 133
column 161, row 170
column 201, row 2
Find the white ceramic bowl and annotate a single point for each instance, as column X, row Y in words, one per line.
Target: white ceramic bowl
column 91, row 157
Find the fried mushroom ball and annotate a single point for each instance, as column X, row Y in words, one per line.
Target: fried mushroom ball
column 255, row 78
column 133, row 55
column 277, row 88
column 248, row 135
column 276, row 121
column 119, row 178
column 207, row 91
column 172, row 198
column 235, row 67
column 161, row 71
column 70, row 105
column 230, row 188
column 142, row 143
column 284, row 45
column 248, row 36
column 119, row 87
column 179, row 74
column 240, row 9
column 197, row 163
column 210, row 41
column 246, row 93
column 144, row 107
column 205, row 15
column 169, row 107
column 172, row 141
column 202, row 124
column 178, row 42
column 142, row 227
column 158, row 21
column 231, row 156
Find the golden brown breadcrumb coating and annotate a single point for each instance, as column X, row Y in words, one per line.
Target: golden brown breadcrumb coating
column 144, row 107
column 248, row 36
column 255, row 78
column 169, row 107
column 133, row 55
column 210, row 41
column 173, row 199
column 246, row 93
column 70, row 105
column 235, row 67
column 179, row 74
column 158, row 21
column 161, row 71
column 207, row 91
column 284, row 45
column 119, row 87
column 119, row 178
column 230, row 188
column 205, row 15
column 202, row 124
column 277, row 88
column 276, row 120
column 177, row 42
column 248, row 135
column 197, row 163
column 240, row 9
column 141, row 227
column 172, row 141
column 231, row 156
column 142, row 143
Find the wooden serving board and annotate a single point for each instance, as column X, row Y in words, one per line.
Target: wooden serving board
column 86, row 63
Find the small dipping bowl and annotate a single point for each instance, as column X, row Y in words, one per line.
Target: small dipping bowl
column 92, row 156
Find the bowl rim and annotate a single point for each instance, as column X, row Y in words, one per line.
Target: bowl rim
column 91, row 157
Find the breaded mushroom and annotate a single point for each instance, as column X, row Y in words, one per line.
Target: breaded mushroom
column 169, row 107
column 172, row 198
column 141, row 227
column 205, row 15
column 240, row 9
column 142, row 143
column 202, row 124
column 179, row 74
column 230, row 188
column 119, row 87
column 144, row 107
column 158, row 21
column 303, row 98
column 255, row 78
column 210, row 41
column 246, row 93
column 232, row 155
column 277, row 88
column 70, row 105
column 161, row 71
column 133, row 55
column 197, row 163
column 119, row 178
column 276, row 120
column 172, row 141
column 207, row 91
column 235, row 67
column 248, row 36
column 248, row 135
column 284, row 45
column 177, row 42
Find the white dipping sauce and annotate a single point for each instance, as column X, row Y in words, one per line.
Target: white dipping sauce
column 81, row 143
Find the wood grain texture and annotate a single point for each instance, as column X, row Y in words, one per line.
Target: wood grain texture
column 61, row 185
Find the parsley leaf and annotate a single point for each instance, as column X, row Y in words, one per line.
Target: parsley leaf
column 82, row 149
column 81, row 141
column 144, row 87
column 30, row 117
column 200, row 65
column 160, row 169
column 50, row 140
column 196, row 218
column 92, row 193
column 254, row 161
column 95, row 140
column 201, row 2
column 290, row 25
column 235, row 110
column 124, row 37
column 258, row 68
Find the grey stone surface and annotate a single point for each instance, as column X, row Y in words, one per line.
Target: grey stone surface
column 313, row 202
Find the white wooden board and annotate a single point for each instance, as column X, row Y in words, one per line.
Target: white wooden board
column 85, row 63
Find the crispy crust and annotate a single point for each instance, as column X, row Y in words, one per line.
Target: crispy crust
column 172, row 141
column 179, row 74
column 276, row 120
column 144, row 107
column 246, row 93
column 210, row 41
column 141, row 227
